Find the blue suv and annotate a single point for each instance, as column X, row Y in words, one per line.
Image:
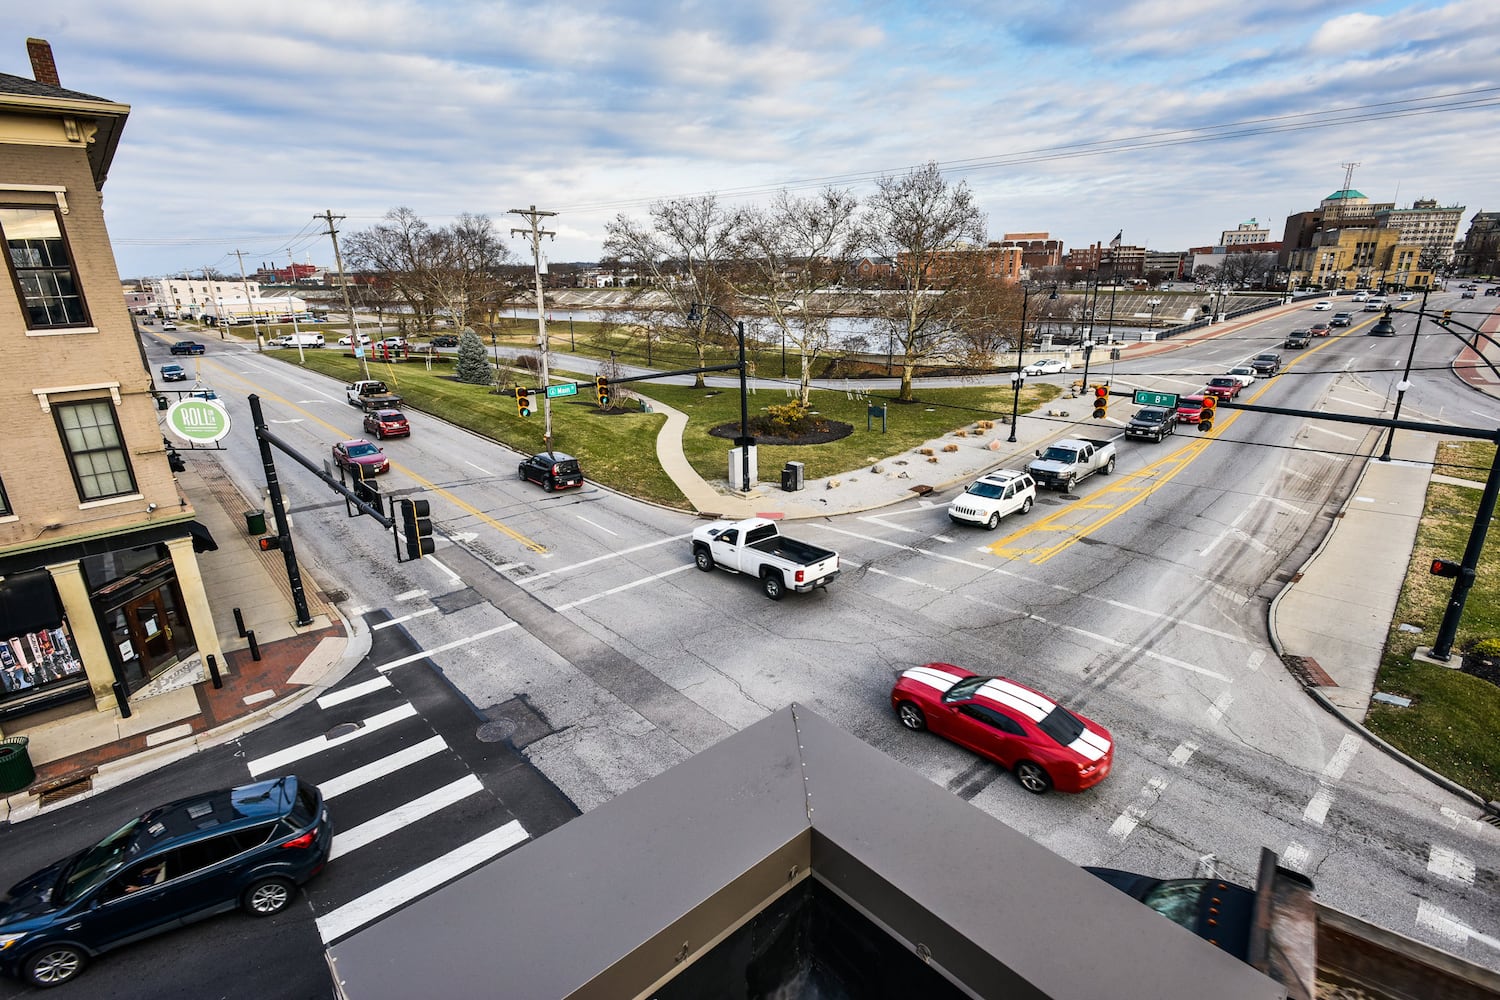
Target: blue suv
column 249, row 847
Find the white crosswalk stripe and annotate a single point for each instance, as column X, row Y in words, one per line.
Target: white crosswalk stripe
column 404, row 815
column 307, row 748
column 351, row 780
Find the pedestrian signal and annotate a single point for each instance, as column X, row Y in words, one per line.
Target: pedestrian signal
column 1445, row 567
column 1101, row 401
column 523, row 402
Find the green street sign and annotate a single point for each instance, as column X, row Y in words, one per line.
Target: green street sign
column 199, row 421
column 563, row 389
column 1144, row 397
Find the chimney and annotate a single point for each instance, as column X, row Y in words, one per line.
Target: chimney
column 42, row 66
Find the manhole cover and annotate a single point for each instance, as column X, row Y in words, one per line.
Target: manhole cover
column 496, row 731
column 342, row 729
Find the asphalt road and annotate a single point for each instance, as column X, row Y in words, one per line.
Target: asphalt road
column 1141, row 602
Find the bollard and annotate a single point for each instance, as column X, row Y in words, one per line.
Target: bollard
column 254, row 646
column 239, row 622
column 213, row 667
column 122, row 699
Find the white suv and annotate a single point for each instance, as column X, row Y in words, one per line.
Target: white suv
column 991, row 497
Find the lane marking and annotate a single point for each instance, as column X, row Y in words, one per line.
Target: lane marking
column 355, row 691
column 1220, row 706
column 404, row 815
column 1183, row 753
column 1122, row 827
column 1450, row 864
column 1295, row 857
column 389, row 764
column 410, row 595
column 318, row 744
column 1331, row 433
column 382, row 900
column 625, row 586
column 451, row 575
column 1460, row 821
column 1144, row 802
column 599, row 526
column 482, row 470
column 422, row 654
column 1438, row 920
column 404, row 618
column 1317, row 808
column 878, row 519
column 609, row 555
column 1339, row 762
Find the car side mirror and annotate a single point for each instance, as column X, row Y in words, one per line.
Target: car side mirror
column 1038, row 453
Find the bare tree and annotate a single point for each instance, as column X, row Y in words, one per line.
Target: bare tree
column 928, row 230
column 797, row 255
column 400, row 251
column 464, row 279
column 1246, row 270
column 684, row 254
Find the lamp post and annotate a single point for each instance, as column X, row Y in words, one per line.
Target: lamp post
column 1017, row 377
column 572, row 346
column 1404, row 384
column 744, row 442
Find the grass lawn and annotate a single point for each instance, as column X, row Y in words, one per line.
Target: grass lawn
column 1454, row 717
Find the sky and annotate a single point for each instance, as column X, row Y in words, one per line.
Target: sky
column 1165, row 121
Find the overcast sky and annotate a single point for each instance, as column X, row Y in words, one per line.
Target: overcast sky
column 1078, row 118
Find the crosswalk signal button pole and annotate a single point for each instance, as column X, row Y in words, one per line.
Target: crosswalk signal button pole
column 416, row 524
column 1445, row 567
column 523, row 401
column 1101, row 401
column 601, row 389
column 1206, row 415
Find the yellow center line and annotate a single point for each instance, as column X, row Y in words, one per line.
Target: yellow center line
column 458, row 502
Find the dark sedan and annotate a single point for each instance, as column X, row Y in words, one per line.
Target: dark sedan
column 187, row 347
column 360, row 455
column 552, row 470
column 387, row 423
column 445, row 340
column 173, row 373
column 1266, row 365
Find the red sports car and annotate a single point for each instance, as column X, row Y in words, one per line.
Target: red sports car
column 1042, row 743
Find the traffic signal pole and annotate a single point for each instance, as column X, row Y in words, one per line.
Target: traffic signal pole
column 1442, row 647
column 278, row 509
column 535, row 233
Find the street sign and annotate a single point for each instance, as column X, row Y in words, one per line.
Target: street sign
column 563, row 389
column 1144, row 397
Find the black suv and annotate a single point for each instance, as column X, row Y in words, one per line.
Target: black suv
column 249, row 846
column 445, row 340
column 553, row 470
column 1154, row 422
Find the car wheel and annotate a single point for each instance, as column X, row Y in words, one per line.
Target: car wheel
column 521, row 472
column 773, row 586
column 1026, row 505
column 911, row 717
column 547, row 484
column 993, row 522
column 1032, row 777
column 54, row 965
column 704, row 559
column 267, row 897
column 1109, row 466
column 1071, row 482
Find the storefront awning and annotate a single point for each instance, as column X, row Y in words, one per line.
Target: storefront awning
column 28, row 602
column 203, row 541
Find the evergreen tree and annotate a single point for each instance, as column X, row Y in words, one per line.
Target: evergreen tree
column 473, row 364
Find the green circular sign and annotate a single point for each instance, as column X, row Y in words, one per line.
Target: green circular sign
column 200, row 421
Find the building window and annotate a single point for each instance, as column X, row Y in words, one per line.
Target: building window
column 95, row 449
column 41, row 267
column 5, row 510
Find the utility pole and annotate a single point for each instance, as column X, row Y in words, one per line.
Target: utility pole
column 254, row 324
column 534, row 216
column 338, row 261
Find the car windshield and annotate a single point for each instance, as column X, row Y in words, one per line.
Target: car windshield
column 1062, row 725
column 964, row 688
column 1151, row 416
column 95, row 864
column 992, row 491
column 1226, row 382
column 1055, row 454
column 362, row 449
column 391, row 417
column 1177, row 901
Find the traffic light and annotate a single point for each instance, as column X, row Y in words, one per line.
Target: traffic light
column 1101, row 401
column 601, row 389
column 523, row 401
column 1206, row 415
column 270, row 542
column 1447, row 316
column 417, row 526
column 1446, row 567
column 368, row 490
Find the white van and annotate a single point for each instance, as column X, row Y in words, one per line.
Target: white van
column 297, row 340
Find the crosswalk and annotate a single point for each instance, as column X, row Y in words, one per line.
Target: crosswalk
column 409, row 814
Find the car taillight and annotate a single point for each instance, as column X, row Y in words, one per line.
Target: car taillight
column 301, row 843
column 554, row 470
column 801, row 575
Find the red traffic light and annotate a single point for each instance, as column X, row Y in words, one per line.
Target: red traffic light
column 1446, row 567
column 270, row 542
column 1101, row 391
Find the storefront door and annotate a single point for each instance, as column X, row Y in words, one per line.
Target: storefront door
column 150, row 634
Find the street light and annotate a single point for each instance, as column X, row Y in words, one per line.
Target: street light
column 1404, row 384
column 696, row 311
column 1018, row 377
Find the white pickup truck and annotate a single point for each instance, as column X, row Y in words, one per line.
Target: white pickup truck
column 1070, row 460
column 756, row 547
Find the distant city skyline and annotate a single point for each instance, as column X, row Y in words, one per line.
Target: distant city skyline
column 1169, row 125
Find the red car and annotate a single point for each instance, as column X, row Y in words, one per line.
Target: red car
column 1223, row 386
column 387, row 423
column 362, row 455
column 1319, row 330
column 1042, row 743
column 1189, row 409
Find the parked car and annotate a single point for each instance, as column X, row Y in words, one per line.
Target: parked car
column 187, row 347
column 359, row 454
column 1341, row 319
column 445, row 340
column 552, row 470
column 1153, row 422
column 1223, row 386
column 173, row 373
column 1189, row 409
column 1043, row 744
column 1046, row 366
column 393, row 343
column 348, row 339
column 167, row 324
column 1244, row 373
column 1267, row 364
column 250, row 847
column 1408, row 296
column 1322, row 306
column 1215, row 910
column 387, row 423
column 993, row 496
column 1320, row 330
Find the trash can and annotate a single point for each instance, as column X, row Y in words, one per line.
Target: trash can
column 791, row 477
column 16, row 771
column 255, row 522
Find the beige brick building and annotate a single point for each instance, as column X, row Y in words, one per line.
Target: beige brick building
column 101, row 601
